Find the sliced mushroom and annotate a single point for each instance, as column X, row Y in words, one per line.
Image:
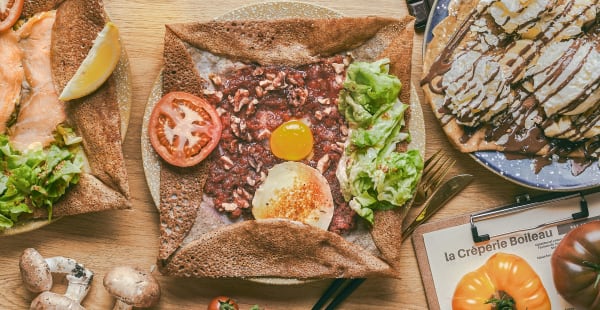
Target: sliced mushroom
column 132, row 287
column 36, row 273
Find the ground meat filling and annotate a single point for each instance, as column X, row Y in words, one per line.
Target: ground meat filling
column 255, row 101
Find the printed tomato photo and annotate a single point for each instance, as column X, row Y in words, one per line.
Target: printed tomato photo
column 505, row 281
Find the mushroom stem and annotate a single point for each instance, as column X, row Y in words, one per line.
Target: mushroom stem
column 79, row 286
column 36, row 273
column 78, row 276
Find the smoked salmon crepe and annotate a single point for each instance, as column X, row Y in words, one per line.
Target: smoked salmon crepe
column 80, row 139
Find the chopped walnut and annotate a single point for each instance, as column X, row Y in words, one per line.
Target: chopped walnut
column 324, row 101
column 216, row 80
column 264, row 133
column 218, row 95
column 251, row 106
column 344, row 130
column 228, row 206
column 299, row 96
column 337, row 148
column 240, row 99
column 339, row 68
column 279, row 80
column 227, row 162
column 258, row 71
column 259, row 91
column 221, row 111
column 319, row 115
column 323, row 163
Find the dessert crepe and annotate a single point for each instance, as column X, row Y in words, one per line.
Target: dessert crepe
column 519, row 77
column 196, row 240
column 71, row 26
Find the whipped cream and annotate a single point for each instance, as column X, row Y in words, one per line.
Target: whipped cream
column 565, row 73
column 573, row 128
column 547, row 19
column 566, row 20
column 476, row 88
column 518, row 15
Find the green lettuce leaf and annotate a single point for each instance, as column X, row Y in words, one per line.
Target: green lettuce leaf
column 38, row 177
column 368, row 91
column 373, row 175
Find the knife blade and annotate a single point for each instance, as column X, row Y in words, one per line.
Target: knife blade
column 438, row 199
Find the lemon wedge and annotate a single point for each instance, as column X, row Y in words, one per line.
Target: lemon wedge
column 97, row 66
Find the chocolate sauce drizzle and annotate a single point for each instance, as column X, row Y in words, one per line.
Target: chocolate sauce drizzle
column 510, row 128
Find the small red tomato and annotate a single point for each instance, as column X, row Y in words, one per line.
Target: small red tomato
column 10, row 15
column 222, row 303
column 184, row 129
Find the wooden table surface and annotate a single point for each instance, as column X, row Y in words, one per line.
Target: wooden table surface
column 107, row 239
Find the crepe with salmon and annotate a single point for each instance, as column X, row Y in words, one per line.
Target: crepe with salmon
column 518, row 79
column 50, row 44
column 198, row 241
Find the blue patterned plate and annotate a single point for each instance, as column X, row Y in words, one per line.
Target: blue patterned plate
column 554, row 177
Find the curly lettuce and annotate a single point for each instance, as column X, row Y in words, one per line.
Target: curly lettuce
column 372, row 173
column 38, row 177
column 369, row 90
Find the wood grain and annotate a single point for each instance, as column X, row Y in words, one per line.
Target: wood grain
column 111, row 238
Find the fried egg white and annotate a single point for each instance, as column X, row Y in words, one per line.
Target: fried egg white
column 297, row 192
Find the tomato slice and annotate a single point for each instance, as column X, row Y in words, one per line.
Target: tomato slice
column 10, row 11
column 184, row 129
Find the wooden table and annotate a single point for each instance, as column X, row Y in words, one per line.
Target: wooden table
column 103, row 240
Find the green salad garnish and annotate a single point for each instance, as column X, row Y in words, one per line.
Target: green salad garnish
column 38, row 177
column 372, row 173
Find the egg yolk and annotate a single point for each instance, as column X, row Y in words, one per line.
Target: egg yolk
column 292, row 140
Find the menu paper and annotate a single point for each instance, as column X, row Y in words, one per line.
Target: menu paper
column 452, row 253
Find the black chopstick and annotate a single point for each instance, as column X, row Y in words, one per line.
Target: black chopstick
column 348, row 286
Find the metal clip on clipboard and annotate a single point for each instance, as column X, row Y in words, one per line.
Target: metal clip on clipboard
column 524, row 203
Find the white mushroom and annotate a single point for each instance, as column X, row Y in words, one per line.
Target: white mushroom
column 50, row 300
column 36, row 273
column 132, row 287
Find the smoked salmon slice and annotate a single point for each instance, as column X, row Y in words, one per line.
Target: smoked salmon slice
column 11, row 76
column 40, row 110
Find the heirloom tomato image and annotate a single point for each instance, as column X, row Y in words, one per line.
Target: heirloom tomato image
column 505, row 281
column 576, row 266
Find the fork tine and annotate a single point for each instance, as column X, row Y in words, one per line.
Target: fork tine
column 435, row 169
column 433, row 158
column 439, row 174
column 432, row 166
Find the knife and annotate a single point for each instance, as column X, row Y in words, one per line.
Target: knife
column 438, row 199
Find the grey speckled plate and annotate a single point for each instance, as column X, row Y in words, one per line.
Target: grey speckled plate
column 554, row 177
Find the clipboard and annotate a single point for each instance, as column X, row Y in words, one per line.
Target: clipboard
column 531, row 228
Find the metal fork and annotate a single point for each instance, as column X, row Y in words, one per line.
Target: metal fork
column 435, row 169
